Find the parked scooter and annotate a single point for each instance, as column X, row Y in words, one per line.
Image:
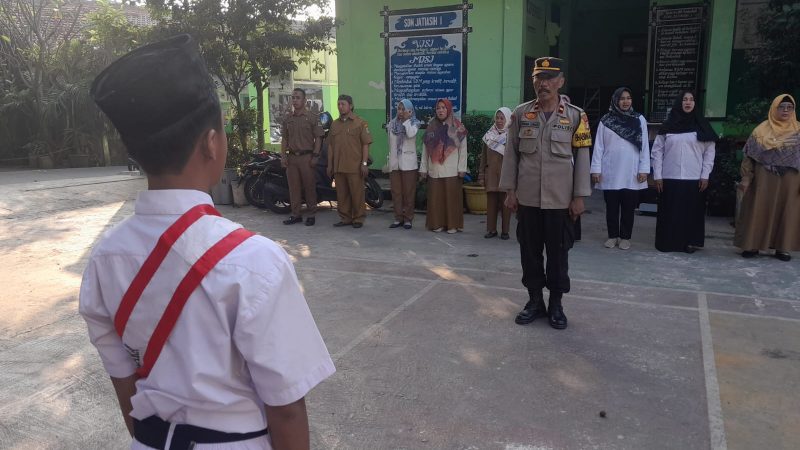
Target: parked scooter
column 276, row 187
column 251, row 178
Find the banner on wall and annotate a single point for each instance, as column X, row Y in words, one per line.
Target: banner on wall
column 426, row 56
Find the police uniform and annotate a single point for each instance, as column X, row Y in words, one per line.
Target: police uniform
column 347, row 136
column 547, row 163
column 209, row 316
column 299, row 132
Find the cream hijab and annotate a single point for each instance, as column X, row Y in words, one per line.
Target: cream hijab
column 771, row 134
column 496, row 138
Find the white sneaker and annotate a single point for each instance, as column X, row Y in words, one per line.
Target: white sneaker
column 624, row 244
column 611, row 243
column 452, row 231
column 438, row 230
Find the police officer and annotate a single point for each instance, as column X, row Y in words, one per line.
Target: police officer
column 300, row 146
column 348, row 156
column 546, row 174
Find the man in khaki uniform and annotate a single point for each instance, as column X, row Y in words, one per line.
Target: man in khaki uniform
column 300, row 146
column 348, row 152
column 546, row 174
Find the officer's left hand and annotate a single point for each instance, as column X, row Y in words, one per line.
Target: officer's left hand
column 576, row 208
column 314, row 161
column 461, row 174
column 364, row 171
column 642, row 177
column 703, row 185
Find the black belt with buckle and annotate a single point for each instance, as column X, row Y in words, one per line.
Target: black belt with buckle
column 153, row 432
column 300, row 152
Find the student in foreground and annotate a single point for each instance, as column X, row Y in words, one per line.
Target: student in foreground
column 200, row 323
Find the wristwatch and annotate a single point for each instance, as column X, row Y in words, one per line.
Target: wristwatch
column 363, row 163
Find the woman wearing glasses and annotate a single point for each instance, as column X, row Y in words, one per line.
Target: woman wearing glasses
column 770, row 213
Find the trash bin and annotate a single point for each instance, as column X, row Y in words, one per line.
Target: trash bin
column 221, row 193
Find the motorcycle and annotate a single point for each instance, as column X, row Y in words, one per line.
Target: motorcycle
column 251, row 177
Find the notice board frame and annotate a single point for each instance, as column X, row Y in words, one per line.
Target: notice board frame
column 701, row 10
column 465, row 29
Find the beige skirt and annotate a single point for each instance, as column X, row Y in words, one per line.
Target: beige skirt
column 445, row 204
column 769, row 217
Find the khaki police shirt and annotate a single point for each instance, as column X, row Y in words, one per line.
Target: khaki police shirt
column 299, row 130
column 347, row 136
column 547, row 160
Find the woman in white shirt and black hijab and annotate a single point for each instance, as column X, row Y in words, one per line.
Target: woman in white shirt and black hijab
column 620, row 165
column 682, row 159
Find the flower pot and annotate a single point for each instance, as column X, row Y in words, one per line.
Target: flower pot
column 221, row 193
column 46, row 162
column 476, row 198
column 78, row 160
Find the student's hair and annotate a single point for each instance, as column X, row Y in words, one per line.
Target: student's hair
column 300, row 90
column 168, row 151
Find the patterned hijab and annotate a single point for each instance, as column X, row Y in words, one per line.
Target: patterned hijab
column 396, row 125
column 770, row 146
column 495, row 138
column 626, row 123
column 678, row 121
column 443, row 137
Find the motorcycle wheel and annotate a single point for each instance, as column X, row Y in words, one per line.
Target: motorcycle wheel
column 373, row 193
column 276, row 205
column 254, row 191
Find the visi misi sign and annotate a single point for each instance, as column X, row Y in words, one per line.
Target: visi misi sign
column 425, row 53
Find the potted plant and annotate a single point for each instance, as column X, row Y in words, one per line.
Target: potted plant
column 475, row 193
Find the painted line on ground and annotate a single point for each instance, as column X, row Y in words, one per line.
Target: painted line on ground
column 582, row 297
column 716, row 423
column 374, row 328
column 578, row 280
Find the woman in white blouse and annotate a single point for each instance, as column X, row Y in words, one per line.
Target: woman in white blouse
column 620, row 165
column 682, row 159
column 403, row 163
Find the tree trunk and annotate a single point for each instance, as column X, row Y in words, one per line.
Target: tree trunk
column 260, row 112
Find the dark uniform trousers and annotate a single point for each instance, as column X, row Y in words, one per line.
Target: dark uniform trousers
column 302, row 180
column 549, row 230
column 350, row 197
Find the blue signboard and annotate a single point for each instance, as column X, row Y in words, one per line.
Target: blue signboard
column 426, row 21
column 424, row 69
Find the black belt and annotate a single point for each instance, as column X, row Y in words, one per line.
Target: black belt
column 300, row 152
column 153, row 432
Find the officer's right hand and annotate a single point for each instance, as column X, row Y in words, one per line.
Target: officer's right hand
column 660, row 186
column 511, row 201
column 596, row 178
column 423, row 175
column 284, row 161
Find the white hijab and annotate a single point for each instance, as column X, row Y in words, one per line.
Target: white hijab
column 495, row 138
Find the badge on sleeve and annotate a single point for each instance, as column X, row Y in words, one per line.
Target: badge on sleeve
column 583, row 135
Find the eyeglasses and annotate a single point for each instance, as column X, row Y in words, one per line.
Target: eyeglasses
column 788, row 107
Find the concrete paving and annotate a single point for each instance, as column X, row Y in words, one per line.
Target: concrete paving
column 663, row 350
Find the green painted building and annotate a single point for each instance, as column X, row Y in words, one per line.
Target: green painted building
column 607, row 44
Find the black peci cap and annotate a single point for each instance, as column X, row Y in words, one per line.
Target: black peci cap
column 154, row 87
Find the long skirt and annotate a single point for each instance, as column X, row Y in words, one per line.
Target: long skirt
column 445, row 204
column 681, row 216
column 770, row 213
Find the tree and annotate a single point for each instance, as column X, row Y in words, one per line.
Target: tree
column 776, row 64
column 248, row 41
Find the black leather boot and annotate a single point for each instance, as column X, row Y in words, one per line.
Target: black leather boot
column 557, row 318
column 534, row 309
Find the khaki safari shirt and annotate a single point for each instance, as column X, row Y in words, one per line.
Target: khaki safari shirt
column 347, row 136
column 547, row 160
column 299, row 131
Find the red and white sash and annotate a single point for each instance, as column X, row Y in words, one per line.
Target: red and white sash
column 187, row 285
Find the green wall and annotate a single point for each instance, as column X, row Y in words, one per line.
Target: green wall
column 496, row 24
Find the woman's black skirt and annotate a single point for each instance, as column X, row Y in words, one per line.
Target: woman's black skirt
column 681, row 216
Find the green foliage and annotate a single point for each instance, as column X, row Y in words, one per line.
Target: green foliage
column 477, row 125
column 776, row 64
column 721, row 194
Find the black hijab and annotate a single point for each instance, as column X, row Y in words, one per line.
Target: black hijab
column 625, row 123
column 679, row 121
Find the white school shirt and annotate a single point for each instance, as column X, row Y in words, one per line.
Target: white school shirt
column 245, row 337
column 682, row 157
column 618, row 161
column 408, row 158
